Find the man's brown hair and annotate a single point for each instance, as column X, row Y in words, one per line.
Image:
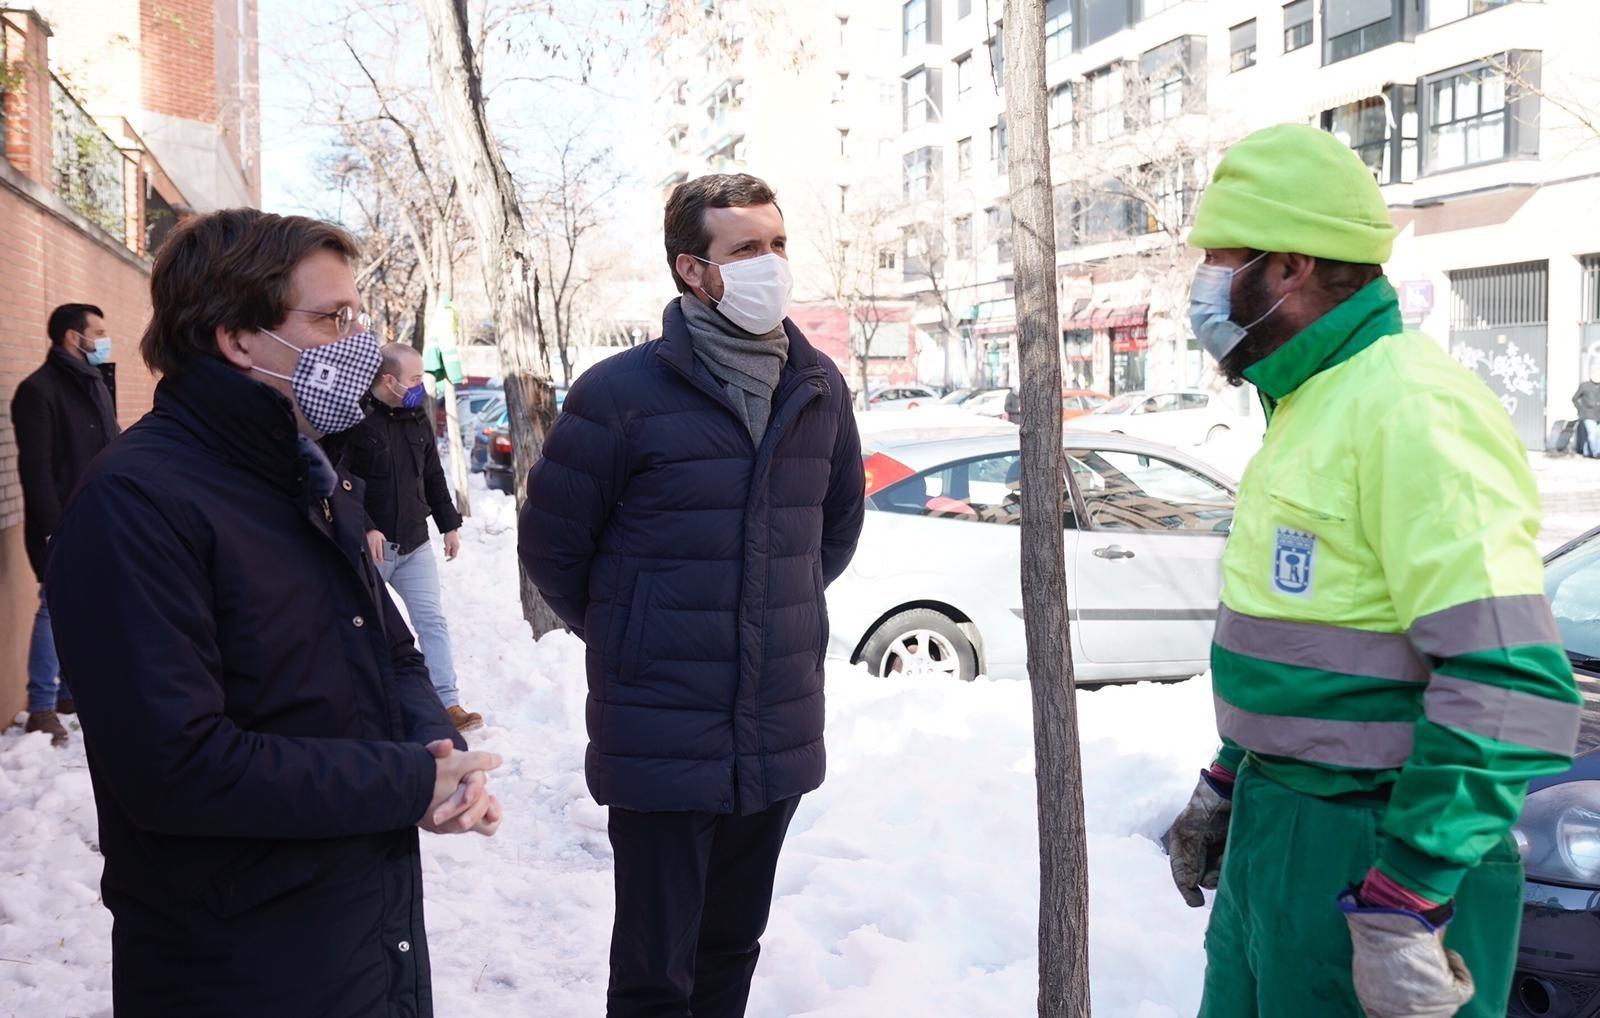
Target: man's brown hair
column 229, row 268
column 685, row 225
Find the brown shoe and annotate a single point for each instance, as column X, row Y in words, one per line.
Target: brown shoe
column 66, row 705
column 463, row 719
column 46, row 721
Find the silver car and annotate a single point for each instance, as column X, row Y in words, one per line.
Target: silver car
column 936, row 589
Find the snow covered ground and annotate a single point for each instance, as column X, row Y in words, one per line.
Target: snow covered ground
column 907, row 885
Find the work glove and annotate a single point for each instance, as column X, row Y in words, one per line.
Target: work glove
column 1196, row 838
column 1401, row 966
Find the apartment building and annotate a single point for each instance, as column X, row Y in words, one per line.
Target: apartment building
column 801, row 96
column 1477, row 118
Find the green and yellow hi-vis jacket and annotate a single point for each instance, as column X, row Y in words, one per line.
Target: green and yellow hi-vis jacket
column 1383, row 614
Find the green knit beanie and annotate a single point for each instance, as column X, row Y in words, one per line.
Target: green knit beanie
column 1293, row 188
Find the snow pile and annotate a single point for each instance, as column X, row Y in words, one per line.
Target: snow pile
column 908, row 884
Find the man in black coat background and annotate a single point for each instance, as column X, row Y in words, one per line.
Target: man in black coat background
column 395, row 451
column 63, row 415
column 260, row 730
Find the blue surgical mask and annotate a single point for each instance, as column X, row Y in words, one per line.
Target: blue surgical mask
column 1211, row 308
column 99, row 353
column 413, row 397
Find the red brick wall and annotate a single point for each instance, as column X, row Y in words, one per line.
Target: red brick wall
column 178, row 65
column 46, row 260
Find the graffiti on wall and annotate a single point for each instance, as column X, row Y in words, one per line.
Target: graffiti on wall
column 1511, row 373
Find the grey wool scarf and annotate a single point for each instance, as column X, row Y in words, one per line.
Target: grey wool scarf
column 747, row 365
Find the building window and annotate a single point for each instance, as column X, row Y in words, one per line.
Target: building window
column 1102, row 19
column 1110, row 213
column 916, row 260
column 1383, row 132
column 1057, row 30
column 1353, row 27
column 841, row 91
column 1172, row 197
column 1297, row 27
column 997, row 56
column 1442, row 12
column 1061, row 118
column 964, row 158
column 1000, row 230
column 914, row 99
column 1150, row 8
column 1171, row 86
column 1066, row 217
column 887, row 258
column 844, row 22
column 844, row 191
column 961, row 229
column 1242, row 46
column 1467, row 119
column 844, row 141
column 963, row 9
column 999, row 152
column 919, row 171
column 963, row 75
column 913, row 25
column 1107, row 116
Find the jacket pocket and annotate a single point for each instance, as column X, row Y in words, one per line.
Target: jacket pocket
column 633, row 636
column 284, row 870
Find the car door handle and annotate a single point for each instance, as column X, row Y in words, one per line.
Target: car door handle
column 1113, row 551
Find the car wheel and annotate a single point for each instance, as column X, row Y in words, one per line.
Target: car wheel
column 1216, row 432
column 920, row 643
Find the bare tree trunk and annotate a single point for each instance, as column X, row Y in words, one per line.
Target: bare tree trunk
column 1063, row 860
column 496, row 215
column 454, row 441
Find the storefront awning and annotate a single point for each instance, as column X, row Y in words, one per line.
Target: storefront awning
column 1102, row 318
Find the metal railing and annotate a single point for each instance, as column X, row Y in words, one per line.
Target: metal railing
column 88, row 166
column 1500, row 296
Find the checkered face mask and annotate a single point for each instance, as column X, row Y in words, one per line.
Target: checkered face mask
column 329, row 381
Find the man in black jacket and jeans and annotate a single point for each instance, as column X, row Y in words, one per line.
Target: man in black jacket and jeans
column 395, row 452
column 260, row 730
column 63, row 415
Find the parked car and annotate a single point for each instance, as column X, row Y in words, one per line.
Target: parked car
column 988, row 402
column 492, row 448
column 958, row 396
column 1180, row 417
column 488, row 427
column 901, row 397
column 1077, row 402
column 1558, row 963
column 499, row 474
column 471, row 404
column 936, row 588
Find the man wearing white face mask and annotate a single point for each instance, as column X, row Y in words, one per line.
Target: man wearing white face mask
column 693, row 499
column 1386, row 671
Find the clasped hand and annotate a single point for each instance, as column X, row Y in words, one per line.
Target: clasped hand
column 461, row 799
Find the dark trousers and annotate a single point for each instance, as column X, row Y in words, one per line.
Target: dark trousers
column 693, row 894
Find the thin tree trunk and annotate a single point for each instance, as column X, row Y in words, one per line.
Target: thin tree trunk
column 1063, row 860
column 497, row 225
column 454, row 441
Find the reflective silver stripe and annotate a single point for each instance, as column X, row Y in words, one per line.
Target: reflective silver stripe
column 1504, row 714
column 1327, row 648
column 1366, row 745
column 1486, row 625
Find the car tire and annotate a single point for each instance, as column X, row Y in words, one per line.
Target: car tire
column 1217, row 432
column 925, row 642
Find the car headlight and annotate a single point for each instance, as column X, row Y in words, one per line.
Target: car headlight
column 1559, row 833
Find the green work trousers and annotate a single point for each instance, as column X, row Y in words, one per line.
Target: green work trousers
column 1278, row 946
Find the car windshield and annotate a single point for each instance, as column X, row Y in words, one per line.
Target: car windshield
column 1122, row 404
column 1572, row 582
column 958, row 396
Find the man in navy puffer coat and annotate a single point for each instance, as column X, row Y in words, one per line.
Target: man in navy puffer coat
column 694, row 498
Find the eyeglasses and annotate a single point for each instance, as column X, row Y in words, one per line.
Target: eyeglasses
column 344, row 319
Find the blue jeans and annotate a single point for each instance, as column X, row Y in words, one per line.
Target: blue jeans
column 415, row 577
column 43, row 664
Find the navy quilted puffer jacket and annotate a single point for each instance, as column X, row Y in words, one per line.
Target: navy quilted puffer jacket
column 692, row 563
